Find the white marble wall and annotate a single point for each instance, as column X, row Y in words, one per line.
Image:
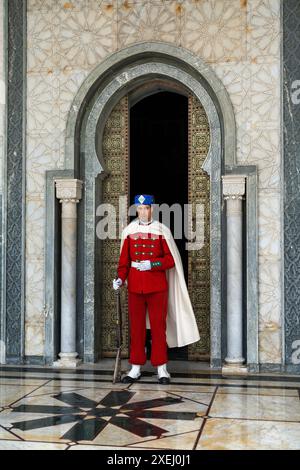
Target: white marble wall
column 238, row 38
column 254, row 87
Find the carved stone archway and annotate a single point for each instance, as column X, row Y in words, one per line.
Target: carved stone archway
column 117, row 75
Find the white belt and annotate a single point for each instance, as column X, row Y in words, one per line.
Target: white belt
column 135, row 264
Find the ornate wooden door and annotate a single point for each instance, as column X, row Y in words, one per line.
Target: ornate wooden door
column 116, row 160
column 199, row 193
column 115, row 155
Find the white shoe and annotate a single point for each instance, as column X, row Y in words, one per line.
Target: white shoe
column 135, row 371
column 163, row 373
column 133, row 375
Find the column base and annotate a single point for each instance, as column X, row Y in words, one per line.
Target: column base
column 67, row 361
column 237, row 368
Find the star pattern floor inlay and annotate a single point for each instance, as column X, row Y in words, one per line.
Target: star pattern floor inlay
column 47, row 409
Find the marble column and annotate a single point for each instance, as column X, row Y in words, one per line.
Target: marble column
column 234, row 191
column 68, row 191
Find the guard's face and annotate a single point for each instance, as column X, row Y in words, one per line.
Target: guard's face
column 144, row 212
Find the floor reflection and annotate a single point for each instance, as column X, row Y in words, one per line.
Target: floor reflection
column 67, row 410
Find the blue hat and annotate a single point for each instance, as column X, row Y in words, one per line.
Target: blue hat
column 145, row 199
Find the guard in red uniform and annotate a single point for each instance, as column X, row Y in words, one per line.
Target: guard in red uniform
column 143, row 261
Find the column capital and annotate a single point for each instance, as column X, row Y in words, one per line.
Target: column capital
column 68, row 190
column 234, row 186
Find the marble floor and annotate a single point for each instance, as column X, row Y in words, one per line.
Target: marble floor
column 45, row 408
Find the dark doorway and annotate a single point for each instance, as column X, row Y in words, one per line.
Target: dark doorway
column 159, row 162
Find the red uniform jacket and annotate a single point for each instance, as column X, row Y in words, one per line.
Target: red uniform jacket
column 145, row 246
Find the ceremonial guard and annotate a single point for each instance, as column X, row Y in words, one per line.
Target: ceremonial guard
column 151, row 266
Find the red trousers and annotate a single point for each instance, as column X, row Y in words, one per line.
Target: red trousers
column 157, row 303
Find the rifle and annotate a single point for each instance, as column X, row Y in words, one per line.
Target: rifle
column 117, row 370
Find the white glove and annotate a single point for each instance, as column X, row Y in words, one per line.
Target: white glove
column 144, row 265
column 117, row 283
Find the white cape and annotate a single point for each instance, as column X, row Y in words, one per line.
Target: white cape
column 181, row 323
